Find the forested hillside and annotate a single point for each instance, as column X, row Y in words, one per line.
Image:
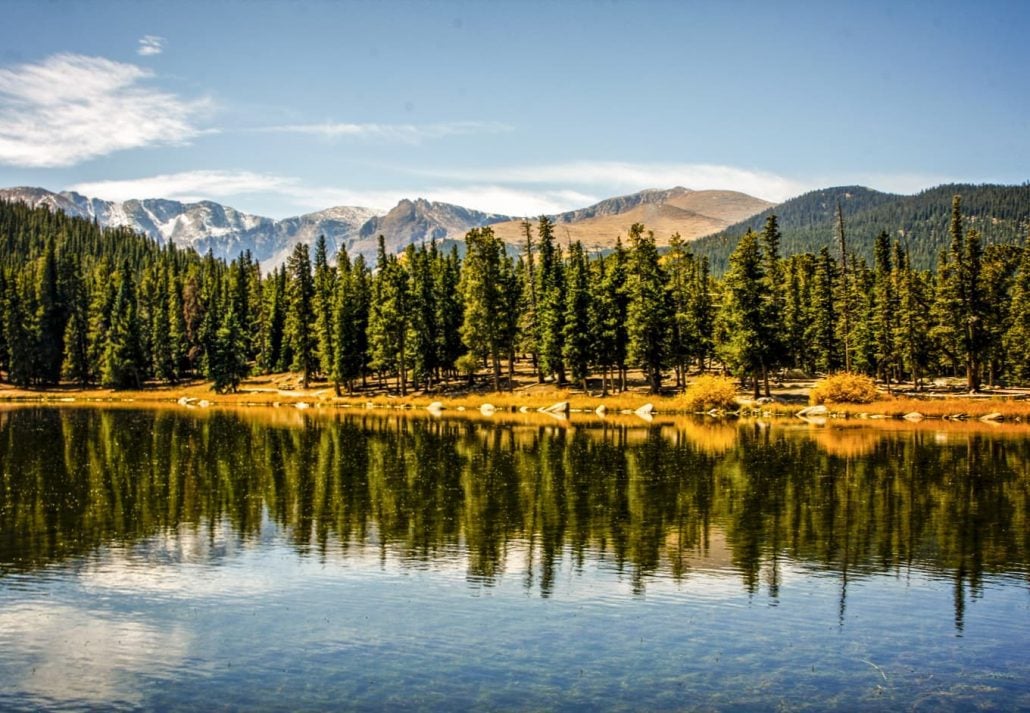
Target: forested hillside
column 1000, row 213
column 83, row 304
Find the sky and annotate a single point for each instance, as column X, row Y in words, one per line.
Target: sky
column 521, row 108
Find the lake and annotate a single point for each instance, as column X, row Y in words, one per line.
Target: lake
column 281, row 560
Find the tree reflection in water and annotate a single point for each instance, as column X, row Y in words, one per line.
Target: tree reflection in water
column 648, row 501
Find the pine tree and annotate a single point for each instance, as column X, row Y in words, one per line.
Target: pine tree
column 1017, row 338
column 648, row 311
column 550, row 303
column 123, row 360
column 273, row 341
column 163, row 361
column 885, row 310
column 609, row 315
column 745, row 310
column 577, row 337
column 49, row 320
column 913, row 330
column 388, row 317
column 77, row 364
column 823, row 320
column 19, row 339
column 680, row 268
column 229, row 357
column 324, row 290
column 481, row 281
column 299, row 329
column 702, row 314
column 422, row 334
column 348, row 325
column 774, row 328
column 449, row 310
column 797, row 310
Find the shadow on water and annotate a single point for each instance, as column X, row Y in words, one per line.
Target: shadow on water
column 658, row 501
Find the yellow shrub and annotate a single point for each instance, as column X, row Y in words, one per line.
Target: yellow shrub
column 844, row 388
column 709, row 391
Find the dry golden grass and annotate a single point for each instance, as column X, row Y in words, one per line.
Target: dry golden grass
column 844, row 388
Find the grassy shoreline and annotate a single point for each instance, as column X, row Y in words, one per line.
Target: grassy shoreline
column 278, row 391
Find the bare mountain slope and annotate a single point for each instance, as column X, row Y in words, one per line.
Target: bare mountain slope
column 692, row 214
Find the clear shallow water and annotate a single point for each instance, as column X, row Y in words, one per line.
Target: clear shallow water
column 161, row 560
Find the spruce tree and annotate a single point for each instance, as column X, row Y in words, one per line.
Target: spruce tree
column 823, row 320
column 775, row 325
column 77, row 366
column 745, row 310
column 550, row 303
column 481, row 329
column 1017, row 338
column 577, row 338
column 885, row 310
column 299, row 329
column 322, row 304
column 648, row 311
column 388, row 317
column 123, row 361
column 229, row 358
column 49, row 320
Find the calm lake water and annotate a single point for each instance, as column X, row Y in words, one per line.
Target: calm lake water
column 175, row 560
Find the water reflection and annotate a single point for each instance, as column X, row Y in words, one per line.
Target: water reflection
column 658, row 501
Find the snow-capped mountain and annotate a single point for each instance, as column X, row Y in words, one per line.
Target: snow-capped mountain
column 227, row 232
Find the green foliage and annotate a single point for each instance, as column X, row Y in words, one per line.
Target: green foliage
column 648, row 309
column 299, row 329
column 95, row 305
column 1000, row 213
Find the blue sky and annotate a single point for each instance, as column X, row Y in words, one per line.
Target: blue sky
column 515, row 107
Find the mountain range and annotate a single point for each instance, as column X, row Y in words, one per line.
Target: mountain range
column 713, row 220
column 226, row 232
column 1001, row 213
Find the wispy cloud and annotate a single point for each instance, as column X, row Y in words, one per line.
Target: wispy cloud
column 230, row 186
column 190, row 186
column 70, row 108
column 401, row 133
column 150, row 45
column 613, row 177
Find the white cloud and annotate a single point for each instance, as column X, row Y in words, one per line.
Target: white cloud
column 189, row 186
column 402, row 133
column 510, row 201
column 150, row 45
column 614, row 177
column 70, row 108
column 221, row 185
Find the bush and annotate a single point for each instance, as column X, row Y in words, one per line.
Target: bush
column 844, row 388
column 711, row 392
column 467, row 365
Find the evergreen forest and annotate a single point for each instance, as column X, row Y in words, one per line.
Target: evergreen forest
column 92, row 306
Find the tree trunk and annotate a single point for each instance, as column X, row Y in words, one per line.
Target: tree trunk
column 757, row 384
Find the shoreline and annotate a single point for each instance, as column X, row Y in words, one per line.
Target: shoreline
column 787, row 402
